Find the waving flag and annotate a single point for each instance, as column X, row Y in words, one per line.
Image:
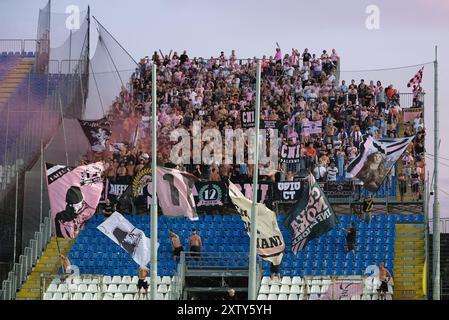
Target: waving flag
column 311, row 217
column 97, row 132
column 270, row 242
column 375, row 160
column 417, row 78
column 74, row 196
column 128, row 237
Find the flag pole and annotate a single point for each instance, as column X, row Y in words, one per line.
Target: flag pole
column 252, row 281
column 153, row 217
column 436, row 202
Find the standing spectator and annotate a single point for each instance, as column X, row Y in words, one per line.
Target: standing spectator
column 350, row 237
column 367, row 207
column 176, row 245
column 320, row 172
column 415, row 185
column 274, row 269
column 142, row 283
column 109, row 208
column 402, row 185
column 231, row 295
column 384, row 277
column 195, row 244
column 332, row 172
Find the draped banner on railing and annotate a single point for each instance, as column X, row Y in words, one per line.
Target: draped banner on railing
column 288, row 191
column 337, row 189
column 264, row 193
column 248, row 119
column 290, row 154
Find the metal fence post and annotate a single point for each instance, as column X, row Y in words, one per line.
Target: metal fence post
column 24, row 271
column 33, row 251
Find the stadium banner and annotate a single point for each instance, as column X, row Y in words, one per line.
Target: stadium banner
column 128, row 237
column 248, row 119
column 116, row 146
column 337, row 189
column 311, row 127
column 290, row 154
column 375, row 160
column 343, row 290
column 410, row 115
column 288, row 191
column 175, row 193
column 134, row 190
column 264, row 193
column 311, row 217
column 97, row 132
column 74, row 194
column 270, row 242
column 269, row 124
column 210, row 194
column 115, row 191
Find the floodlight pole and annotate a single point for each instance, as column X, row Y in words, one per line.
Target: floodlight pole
column 252, row 281
column 436, row 202
column 153, row 217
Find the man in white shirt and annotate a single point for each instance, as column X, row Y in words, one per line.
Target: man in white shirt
column 319, row 172
column 332, row 172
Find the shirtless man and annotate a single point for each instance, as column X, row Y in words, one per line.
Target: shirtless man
column 142, row 283
column 384, row 277
column 66, row 264
column 176, row 244
column 195, row 244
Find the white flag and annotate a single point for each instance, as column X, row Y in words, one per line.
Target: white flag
column 270, row 242
column 131, row 239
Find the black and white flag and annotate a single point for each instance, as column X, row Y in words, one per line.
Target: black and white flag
column 128, row 237
column 97, row 132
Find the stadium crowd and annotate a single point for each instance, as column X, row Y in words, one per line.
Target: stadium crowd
column 295, row 87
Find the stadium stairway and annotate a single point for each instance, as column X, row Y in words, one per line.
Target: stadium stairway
column 49, row 263
column 14, row 78
column 409, row 262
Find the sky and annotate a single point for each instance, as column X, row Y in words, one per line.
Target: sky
column 407, row 34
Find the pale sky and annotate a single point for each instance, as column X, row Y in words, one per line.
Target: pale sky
column 409, row 30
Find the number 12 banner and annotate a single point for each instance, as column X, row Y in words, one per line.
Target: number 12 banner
column 210, row 194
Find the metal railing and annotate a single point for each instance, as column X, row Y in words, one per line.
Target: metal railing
column 27, row 260
column 19, row 45
column 444, row 225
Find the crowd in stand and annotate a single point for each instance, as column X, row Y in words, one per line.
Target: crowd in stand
column 295, row 87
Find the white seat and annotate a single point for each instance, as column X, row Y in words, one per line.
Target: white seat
column 76, row 281
column 108, row 296
column 123, row 288
column 375, row 297
column 314, row 296
column 262, row 297
column 390, row 289
column 77, row 296
column 285, row 288
column 265, row 280
column 95, row 296
column 107, row 279
column 128, row 296
column 274, row 288
column 295, row 289
column 52, row 288
column 57, row 296
column 118, row 296
column 355, row 297
column 366, row 297
column 315, row 289
column 324, row 288
column 286, row 280
column 82, row 287
column 292, row 296
column 56, row 281
column 389, row 296
column 126, row 279
column 87, row 280
column 63, row 287
column 48, row 296
column 116, row 279
column 112, row 288
column 147, row 279
column 272, row 296
column 88, row 296
column 158, row 280
column 132, row 288
column 282, row 296
column 166, row 280
column 92, row 288
column 95, row 281
column 135, row 279
column 301, row 297
column 160, row 296
column 296, row 280
column 162, row 288
column 367, row 289
column 264, row 289
column 316, row 282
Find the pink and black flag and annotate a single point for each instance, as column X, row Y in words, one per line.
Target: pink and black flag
column 74, row 194
column 417, row 78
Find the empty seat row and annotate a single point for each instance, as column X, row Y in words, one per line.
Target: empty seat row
column 98, row 296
